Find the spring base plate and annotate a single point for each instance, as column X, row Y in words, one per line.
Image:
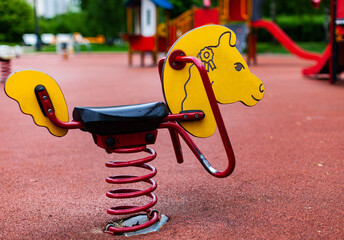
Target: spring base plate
column 136, row 220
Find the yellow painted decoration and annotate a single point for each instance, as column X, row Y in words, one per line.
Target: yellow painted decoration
column 21, row 87
column 228, row 72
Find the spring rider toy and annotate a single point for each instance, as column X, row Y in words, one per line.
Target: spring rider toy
column 202, row 68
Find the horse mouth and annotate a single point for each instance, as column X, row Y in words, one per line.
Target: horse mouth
column 255, row 98
column 261, row 89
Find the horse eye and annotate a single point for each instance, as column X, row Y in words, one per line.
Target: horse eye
column 238, row 66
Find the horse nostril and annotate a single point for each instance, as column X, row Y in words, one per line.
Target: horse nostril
column 261, row 88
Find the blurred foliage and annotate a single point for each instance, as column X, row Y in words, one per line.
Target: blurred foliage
column 277, row 48
column 304, row 27
column 293, row 7
column 298, row 18
column 105, row 17
column 181, row 6
column 299, row 28
column 69, row 22
column 301, row 22
column 16, row 17
column 94, row 48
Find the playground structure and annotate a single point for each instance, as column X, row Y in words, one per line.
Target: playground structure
column 239, row 15
column 160, row 36
column 66, row 44
column 330, row 62
column 199, row 68
column 276, row 32
column 144, row 32
column 148, row 33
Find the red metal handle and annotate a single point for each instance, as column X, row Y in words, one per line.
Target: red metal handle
column 177, row 60
column 49, row 111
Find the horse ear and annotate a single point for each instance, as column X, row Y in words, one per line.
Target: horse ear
column 228, row 38
column 232, row 39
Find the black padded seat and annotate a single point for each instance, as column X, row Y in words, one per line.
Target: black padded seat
column 121, row 119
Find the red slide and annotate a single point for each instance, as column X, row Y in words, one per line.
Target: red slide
column 322, row 65
column 285, row 40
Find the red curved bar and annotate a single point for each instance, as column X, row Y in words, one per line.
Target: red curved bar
column 66, row 125
column 218, row 118
column 48, row 110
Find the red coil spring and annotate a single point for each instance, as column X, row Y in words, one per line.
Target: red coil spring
column 5, row 69
column 130, row 192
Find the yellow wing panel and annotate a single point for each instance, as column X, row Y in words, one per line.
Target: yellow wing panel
column 21, row 87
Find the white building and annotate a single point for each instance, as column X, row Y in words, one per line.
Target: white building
column 51, row 8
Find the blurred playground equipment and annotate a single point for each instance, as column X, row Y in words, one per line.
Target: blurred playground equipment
column 149, row 32
column 7, row 53
column 50, row 39
column 79, row 40
column 30, row 39
column 202, row 69
column 66, row 44
column 144, row 30
column 276, row 32
column 332, row 61
column 99, row 39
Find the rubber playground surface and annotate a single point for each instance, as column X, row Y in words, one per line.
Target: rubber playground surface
column 288, row 182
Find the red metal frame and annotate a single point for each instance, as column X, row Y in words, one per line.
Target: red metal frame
column 152, row 215
column 176, row 60
column 137, row 142
column 49, row 111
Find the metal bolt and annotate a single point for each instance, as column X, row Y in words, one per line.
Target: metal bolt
column 50, row 110
column 150, row 138
column 174, row 64
column 185, row 116
column 45, row 97
column 110, row 142
column 196, row 115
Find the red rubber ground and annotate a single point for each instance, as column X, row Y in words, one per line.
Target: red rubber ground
column 288, row 182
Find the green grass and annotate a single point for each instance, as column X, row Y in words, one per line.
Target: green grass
column 10, row 43
column 262, row 47
column 94, row 48
column 276, row 48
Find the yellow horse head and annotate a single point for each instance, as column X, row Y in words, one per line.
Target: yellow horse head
column 228, row 72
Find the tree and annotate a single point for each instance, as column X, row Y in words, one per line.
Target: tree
column 181, row 6
column 16, row 18
column 68, row 22
column 293, row 7
column 105, row 17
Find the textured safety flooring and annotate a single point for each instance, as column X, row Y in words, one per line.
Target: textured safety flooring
column 288, row 182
